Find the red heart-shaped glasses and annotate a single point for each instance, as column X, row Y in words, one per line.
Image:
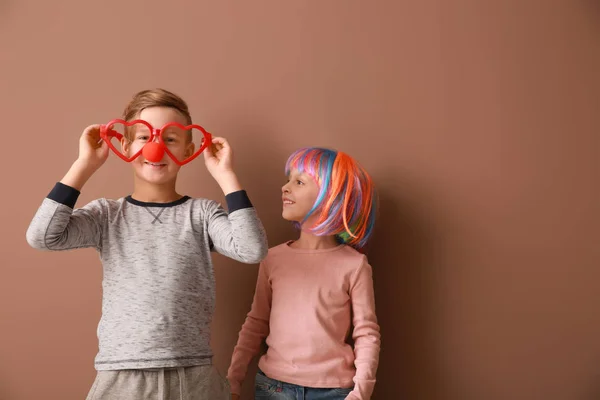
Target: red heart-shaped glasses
column 155, row 142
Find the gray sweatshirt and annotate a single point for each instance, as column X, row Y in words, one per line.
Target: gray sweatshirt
column 158, row 285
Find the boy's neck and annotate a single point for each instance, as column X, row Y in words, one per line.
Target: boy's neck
column 309, row 241
column 150, row 193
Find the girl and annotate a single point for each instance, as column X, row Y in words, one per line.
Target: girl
column 310, row 292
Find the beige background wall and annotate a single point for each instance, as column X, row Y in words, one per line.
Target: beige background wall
column 478, row 121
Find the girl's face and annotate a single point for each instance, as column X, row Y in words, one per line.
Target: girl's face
column 299, row 195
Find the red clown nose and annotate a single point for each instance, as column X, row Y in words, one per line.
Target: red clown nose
column 153, row 152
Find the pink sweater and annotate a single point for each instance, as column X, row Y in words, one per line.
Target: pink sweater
column 305, row 304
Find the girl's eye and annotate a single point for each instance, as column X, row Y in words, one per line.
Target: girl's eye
column 142, row 137
column 300, row 182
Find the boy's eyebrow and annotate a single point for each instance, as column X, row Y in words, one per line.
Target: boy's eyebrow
column 138, row 128
column 173, row 129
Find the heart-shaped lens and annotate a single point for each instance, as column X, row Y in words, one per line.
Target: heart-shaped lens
column 184, row 143
column 126, row 139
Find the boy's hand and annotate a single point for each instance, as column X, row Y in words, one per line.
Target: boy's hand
column 218, row 158
column 93, row 151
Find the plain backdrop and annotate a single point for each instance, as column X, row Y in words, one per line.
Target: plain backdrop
column 478, row 121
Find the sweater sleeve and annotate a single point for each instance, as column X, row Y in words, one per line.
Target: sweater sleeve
column 58, row 226
column 366, row 333
column 238, row 233
column 254, row 330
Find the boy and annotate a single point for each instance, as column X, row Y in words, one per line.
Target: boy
column 158, row 284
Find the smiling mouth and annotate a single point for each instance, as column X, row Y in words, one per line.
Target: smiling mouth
column 155, row 165
column 288, row 202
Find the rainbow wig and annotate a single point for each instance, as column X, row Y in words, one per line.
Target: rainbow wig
column 346, row 203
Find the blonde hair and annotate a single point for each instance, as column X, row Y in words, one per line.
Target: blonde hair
column 155, row 98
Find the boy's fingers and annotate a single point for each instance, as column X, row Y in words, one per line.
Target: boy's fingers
column 208, row 153
column 220, row 142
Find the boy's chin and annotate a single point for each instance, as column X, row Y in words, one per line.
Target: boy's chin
column 156, row 179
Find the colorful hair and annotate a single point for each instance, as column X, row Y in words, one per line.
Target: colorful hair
column 346, row 203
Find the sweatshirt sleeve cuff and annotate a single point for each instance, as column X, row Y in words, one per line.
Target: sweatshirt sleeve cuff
column 64, row 194
column 237, row 201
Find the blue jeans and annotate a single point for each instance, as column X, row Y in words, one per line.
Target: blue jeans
column 267, row 388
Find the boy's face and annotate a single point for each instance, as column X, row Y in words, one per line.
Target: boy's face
column 177, row 141
column 299, row 195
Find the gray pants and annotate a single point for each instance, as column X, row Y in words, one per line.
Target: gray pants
column 189, row 383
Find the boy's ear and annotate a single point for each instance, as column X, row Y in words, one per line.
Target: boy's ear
column 125, row 145
column 189, row 150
